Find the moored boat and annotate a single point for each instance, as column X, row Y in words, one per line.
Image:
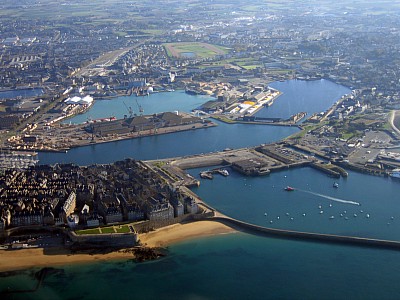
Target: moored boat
column 223, row 172
column 395, row 173
column 206, row 175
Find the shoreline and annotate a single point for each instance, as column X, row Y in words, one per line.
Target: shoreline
column 22, row 259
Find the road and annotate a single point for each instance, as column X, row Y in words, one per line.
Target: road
column 392, row 116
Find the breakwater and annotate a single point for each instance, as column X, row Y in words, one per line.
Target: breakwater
column 324, row 168
column 306, row 236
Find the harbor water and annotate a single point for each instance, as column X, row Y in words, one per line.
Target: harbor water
column 172, row 145
column 154, row 103
column 238, row 265
column 361, row 206
column 303, row 96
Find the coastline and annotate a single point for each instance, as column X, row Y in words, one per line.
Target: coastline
column 175, row 233
column 14, row 260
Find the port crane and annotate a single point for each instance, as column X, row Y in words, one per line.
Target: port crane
column 140, row 108
column 129, row 109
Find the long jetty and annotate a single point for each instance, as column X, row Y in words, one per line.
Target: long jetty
column 306, row 236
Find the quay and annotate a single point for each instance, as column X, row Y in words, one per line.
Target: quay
column 209, row 173
column 255, row 161
column 250, row 119
column 61, row 138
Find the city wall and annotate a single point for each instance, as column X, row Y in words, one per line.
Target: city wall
column 148, row 225
column 112, row 239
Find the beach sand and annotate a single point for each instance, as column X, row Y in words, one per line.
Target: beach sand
column 179, row 232
column 11, row 260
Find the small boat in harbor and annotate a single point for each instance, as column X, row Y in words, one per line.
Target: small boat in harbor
column 289, row 189
column 223, row 172
column 335, row 185
column 206, row 175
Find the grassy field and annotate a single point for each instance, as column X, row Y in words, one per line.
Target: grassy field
column 88, row 231
column 119, row 10
column 122, row 229
column 200, row 50
column 108, row 229
column 105, row 230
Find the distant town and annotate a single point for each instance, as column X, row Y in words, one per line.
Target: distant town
column 69, row 60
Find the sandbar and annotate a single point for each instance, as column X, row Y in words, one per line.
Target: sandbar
column 12, row 260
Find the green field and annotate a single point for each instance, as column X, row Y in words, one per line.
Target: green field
column 200, row 50
column 108, row 229
column 88, row 231
column 122, row 229
column 105, row 230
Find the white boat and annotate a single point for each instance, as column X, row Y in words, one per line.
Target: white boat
column 224, row 172
column 395, row 173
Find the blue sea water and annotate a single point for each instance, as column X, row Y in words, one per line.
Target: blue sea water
column 243, row 266
column 234, row 266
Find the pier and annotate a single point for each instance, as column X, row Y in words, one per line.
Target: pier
column 256, row 161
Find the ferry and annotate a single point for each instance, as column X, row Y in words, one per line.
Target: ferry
column 289, row 189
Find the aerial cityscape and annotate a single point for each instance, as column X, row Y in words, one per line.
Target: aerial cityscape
column 224, row 149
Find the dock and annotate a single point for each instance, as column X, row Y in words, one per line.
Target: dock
column 209, row 174
column 256, row 161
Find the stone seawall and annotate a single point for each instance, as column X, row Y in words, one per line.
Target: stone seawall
column 207, row 162
column 325, row 169
column 304, row 236
column 112, row 239
column 148, row 225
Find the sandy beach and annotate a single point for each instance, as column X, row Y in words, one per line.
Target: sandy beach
column 11, row 260
column 180, row 232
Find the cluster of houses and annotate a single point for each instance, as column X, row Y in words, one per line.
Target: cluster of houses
column 128, row 190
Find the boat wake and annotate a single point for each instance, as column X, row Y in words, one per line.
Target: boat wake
column 330, row 198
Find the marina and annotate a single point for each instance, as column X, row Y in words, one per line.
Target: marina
column 209, row 174
column 18, row 160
